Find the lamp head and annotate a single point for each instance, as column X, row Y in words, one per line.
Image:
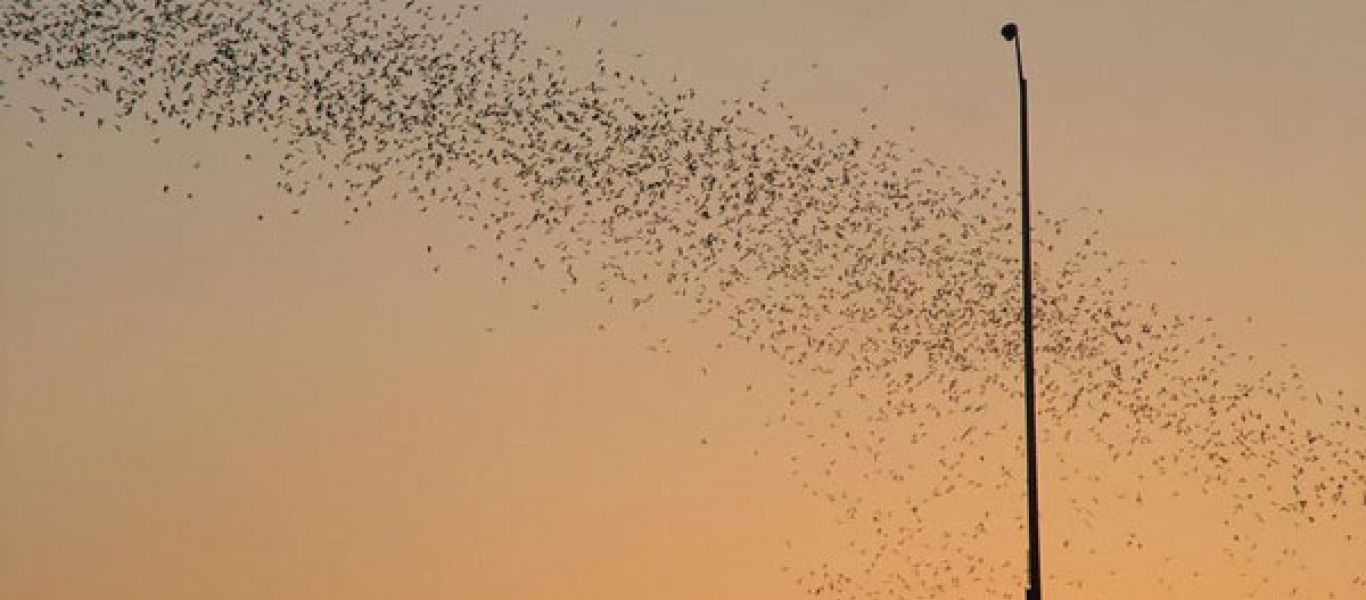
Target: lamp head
column 1009, row 32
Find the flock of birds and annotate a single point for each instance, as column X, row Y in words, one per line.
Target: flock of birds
column 888, row 276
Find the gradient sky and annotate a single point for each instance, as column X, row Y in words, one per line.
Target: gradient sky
column 196, row 405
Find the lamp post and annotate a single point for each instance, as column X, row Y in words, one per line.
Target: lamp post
column 1035, row 590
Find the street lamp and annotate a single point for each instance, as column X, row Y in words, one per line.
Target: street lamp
column 1035, row 590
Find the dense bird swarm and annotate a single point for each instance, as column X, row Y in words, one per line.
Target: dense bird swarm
column 890, row 276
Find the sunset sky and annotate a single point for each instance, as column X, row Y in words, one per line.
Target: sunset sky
column 195, row 403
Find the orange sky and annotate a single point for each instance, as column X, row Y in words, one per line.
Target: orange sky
column 197, row 405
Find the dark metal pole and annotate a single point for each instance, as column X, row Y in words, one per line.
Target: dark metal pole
column 1035, row 590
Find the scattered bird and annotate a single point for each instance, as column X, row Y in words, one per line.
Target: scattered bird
column 887, row 275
